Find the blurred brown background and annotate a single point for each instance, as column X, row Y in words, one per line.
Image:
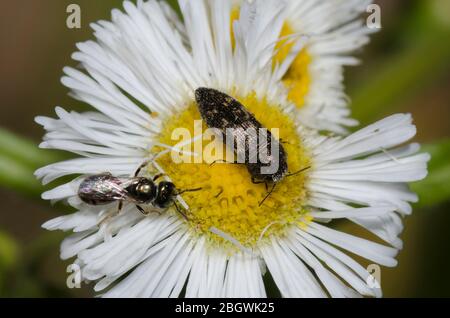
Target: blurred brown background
column 35, row 45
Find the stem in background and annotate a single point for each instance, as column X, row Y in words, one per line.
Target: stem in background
column 400, row 77
column 425, row 58
column 19, row 158
column 435, row 190
column 18, row 177
column 24, row 151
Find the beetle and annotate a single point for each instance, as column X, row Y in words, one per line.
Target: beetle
column 225, row 114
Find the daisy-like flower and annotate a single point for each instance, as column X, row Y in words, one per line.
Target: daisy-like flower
column 335, row 30
column 140, row 75
column 314, row 79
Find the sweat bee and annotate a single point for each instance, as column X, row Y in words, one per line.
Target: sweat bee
column 104, row 188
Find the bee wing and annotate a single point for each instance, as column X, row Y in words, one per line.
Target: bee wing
column 118, row 191
column 103, row 188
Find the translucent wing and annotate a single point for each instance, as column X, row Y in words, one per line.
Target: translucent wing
column 102, row 189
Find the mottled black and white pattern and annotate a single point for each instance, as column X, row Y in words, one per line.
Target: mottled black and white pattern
column 224, row 113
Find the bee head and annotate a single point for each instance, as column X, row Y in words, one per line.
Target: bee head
column 166, row 193
column 143, row 190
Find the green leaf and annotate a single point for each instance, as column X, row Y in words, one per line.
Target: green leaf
column 399, row 77
column 175, row 6
column 19, row 158
column 24, row 151
column 19, row 177
column 8, row 257
column 8, row 252
column 435, row 189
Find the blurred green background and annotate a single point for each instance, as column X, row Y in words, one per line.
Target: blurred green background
column 406, row 69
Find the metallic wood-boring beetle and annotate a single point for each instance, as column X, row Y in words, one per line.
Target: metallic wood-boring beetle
column 104, row 188
column 222, row 112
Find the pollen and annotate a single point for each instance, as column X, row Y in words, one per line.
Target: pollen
column 235, row 14
column 228, row 200
column 298, row 77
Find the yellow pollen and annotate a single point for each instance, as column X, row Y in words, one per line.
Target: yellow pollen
column 235, row 13
column 228, row 200
column 298, row 77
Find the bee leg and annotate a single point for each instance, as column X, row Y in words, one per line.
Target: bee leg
column 155, row 178
column 147, row 162
column 142, row 166
column 111, row 214
column 142, row 210
column 179, row 211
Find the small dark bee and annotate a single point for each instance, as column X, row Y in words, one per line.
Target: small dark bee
column 222, row 112
column 104, row 188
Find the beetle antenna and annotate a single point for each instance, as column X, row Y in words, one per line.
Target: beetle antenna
column 298, row 172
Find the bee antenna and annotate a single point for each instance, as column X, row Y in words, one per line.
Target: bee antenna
column 179, row 211
column 189, row 190
column 298, row 172
column 268, row 194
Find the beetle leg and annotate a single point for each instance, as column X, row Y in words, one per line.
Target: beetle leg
column 222, row 161
column 284, row 142
column 221, row 191
column 257, row 182
column 268, row 194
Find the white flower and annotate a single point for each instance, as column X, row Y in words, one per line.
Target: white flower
column 313, row 73
column 334, row 30
column 141, row 78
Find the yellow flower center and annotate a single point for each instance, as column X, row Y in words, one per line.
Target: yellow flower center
column 228, row 200
column 298, row 77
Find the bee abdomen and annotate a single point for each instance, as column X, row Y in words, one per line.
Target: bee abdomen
column 99, row 189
